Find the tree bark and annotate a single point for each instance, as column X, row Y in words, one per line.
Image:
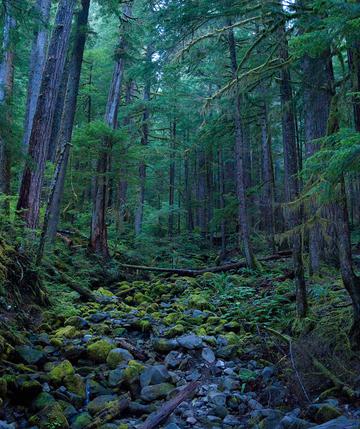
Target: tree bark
column 98, row 232
column 318, row 87
column 68, row 119
column 139, row 214
column 188, row 195
column 292, row 188
column 6, row 89
column 172, row 179
column 267, row 178
column 37, row 62
column 239, row 159
column 32, row 180
column 222, row 201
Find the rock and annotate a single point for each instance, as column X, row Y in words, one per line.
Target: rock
column 81, row 421
column 231, row 421
column 340, row 423
column 99, row 351
column 98, row 317
column 172, row 426
column 290, row 422
column 158, row 391
column 60, row 372
column 73, row 352
column 208, row 355
column 323, row 412
column 118, row 356
column 67, row 332
column 173, row 359
column 50, row 417
column 267, row 373
column 190, row 342
column 42, row 400
column 116, row 376
column 163, row 345
column 154, row 375
column 29, row 354
column 100, row 402
column 28, row 389
column 217, row 398
column 274, row 395
column 220, row 411
column 132, row 372
column 5, row 425
column 75, row 384
column 78, row 322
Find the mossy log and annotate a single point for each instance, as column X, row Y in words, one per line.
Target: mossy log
column 198, row 272
column 155, row 419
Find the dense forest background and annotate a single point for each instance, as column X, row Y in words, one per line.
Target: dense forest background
column 183, row 134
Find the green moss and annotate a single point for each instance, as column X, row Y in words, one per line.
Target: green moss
column 81, row 421
column 199, row 301
column 176, row 330
column 75, row 384
column 105, row 292
column 132, row 371
column 66, row 332
column 172, row 318
column 42, row 400
column 98, row 351
column 61, row 371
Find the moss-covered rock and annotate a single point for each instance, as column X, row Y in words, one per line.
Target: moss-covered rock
column 81, row 421
column 60, row 372
column 67, row 332
column 157, row 391
column 132, row 371
column 42, row 400
column 98, row 351
column 75, row 384
column 50, row 417
column 176, row 330
column 118, row 356
column 199, row 301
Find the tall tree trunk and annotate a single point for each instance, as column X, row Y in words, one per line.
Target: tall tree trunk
column 139, row 214
column 239, row 158
column 267, row 178
column 37, row 62
column 98, row 232
column 33, row 175
column 6, row 89
column 188, row 195
column 201, row 192
column 292, row 188
column 318, row 87
column 54, row 142
column 172, row 179
column 68, row 119
column 222, row 201
column 123, row 182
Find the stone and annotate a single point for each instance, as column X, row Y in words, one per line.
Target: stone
column 190, row 342
column 81, row 421
column 208, row 355
column 267, row 373
column 172, row 426
column 99, row 351
column 230, row 420
column 100, row 402
column 60, row 371
column 157, row 391
column 42, row 400
column 29, row 354
column 50, row 417
column 173, row 359
column 78, row 322
column 118, row 356
column 116, row 376
column 67, row 332
column 163, row 345
column 5, row 425
column 28, row 389
column 323, row 412
column 98, row 317
column 340, row 423
column 156, row 374
column 217, row 398
column 290, row 422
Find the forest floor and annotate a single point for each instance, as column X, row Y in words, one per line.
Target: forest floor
column 113, row 364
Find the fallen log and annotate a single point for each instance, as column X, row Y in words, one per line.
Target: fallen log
column 121, row 342
column 198, row 272
column 155, row 419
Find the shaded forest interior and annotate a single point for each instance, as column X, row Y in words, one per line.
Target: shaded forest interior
column 212, row 142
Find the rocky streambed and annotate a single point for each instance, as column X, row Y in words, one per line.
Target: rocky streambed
column 118, row 361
